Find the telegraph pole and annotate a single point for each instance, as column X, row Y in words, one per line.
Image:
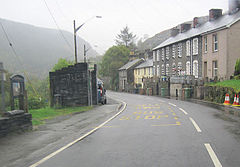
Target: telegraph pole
column 75, row 41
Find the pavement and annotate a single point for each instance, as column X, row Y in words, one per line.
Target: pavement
column 21, row 150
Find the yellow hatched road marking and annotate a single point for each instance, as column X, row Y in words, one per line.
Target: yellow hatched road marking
column 177, row 124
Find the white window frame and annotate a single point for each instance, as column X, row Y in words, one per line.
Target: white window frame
column 214, row 68
column 163, row 69
column 167, row 52
column 205, row 45
column 215, row 42
column 179, row 48
column 188, row 68
column 158, row 70
column 174, row 69
column 163, row 53
column 153, row 71
column 173, row 51
column 195, row 68
column 154, row 56
column 158, row 55
column 188, row 48
column 167, row 69
column 195, row 46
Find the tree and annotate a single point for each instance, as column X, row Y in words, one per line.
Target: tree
column 61, row 64
column 126, row 38
column 113, row 59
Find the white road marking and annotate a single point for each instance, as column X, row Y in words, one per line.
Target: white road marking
column 212, row 155
column 172, row 104
column 183, row 111
column 195, row 125
column 77, row 140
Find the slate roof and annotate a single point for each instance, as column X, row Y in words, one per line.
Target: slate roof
column 129, row 64
column 222, row 22
column 147, row 63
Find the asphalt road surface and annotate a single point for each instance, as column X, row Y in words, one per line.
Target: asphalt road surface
column 156, row 132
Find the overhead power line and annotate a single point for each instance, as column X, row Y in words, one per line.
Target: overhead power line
column 58, row 27
column 18, row 59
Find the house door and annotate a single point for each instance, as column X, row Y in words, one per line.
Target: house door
column 205, row 69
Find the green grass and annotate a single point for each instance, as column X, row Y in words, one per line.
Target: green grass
column 40, row 115
column 235, row 84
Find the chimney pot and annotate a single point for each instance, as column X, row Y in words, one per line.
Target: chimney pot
column 214, row 14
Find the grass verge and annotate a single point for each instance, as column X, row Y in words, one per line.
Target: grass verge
column 235, row 84
column 40, row 115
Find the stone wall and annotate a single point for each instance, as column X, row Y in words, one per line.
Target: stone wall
column 70, row 86
column 15, row 121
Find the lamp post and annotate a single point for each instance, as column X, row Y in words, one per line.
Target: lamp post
column 3, row 78
column 75, row 36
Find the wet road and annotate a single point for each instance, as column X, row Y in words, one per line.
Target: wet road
column 156, row 132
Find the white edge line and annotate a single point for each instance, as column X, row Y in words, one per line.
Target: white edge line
column 172, row 104
column 195, row 125
column 213, row 155
column 77, row 140
column 183, row 111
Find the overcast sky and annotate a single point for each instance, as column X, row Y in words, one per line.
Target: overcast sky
column 141, row 16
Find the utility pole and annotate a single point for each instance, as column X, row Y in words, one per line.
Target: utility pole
column 75, row 41
column 85, row 53
column 75, row 34
column 2, row 86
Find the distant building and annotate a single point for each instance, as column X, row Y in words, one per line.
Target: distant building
column 208, row 49
column 144, row 70
column 126, row 74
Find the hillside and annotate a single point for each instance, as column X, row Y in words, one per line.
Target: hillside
column 38, row 49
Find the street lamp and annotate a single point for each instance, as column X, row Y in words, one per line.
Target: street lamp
column 75, row 32
column 3, row 78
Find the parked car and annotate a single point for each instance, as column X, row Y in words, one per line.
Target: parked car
column 101, row 92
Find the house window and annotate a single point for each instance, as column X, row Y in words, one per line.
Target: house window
column 145, row 71
column 154, row 56
column 174, row 69
column 188, row 48
column 149, row 71
column 153, row 71
column 215, row 43
column 188, row 68
column 195, row 46
column 163, row 53
column 179, row 68
column 158, row 70
column 163, row 70
column 167, row 53
column 205, row 44
column 195, row 68
column 167, row 69
column 158, row 55
column 180, row 50
column 138, row 71
column 215, row 68
column 173, row 51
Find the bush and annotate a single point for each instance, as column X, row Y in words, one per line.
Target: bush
column 36, row 103
column 237, row 68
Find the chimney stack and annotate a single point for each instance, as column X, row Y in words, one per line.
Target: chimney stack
column 185, row 27
column 233, row 6
column 195, row 22
column 174, row 32
column 214, row 14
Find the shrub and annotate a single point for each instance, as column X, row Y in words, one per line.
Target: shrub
column 36, row 103
column 237, row 68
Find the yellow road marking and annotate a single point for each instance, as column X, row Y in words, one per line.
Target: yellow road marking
column 150, row 117
column 177, row 124
column 160, row 116
column 176, row 118
column 174, row 114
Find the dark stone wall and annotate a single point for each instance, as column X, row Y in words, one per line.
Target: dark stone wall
column 94, row 85
column 15, row 123
column 70, row 86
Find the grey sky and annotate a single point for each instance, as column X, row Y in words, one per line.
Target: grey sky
column 142, row 16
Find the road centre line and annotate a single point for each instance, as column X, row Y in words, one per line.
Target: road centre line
column 183, row 111
column 195, row 125
column 213, row 155
column 79, row 139
column 172, row 104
